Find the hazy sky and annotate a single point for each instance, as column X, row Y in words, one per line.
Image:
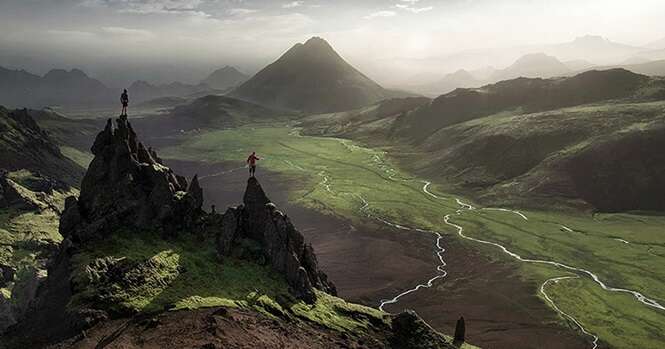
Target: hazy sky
column 183, row 39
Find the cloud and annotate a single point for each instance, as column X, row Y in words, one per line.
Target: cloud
column 293, row 4
column 185, row 7
column 129, row 33
column 240, row 11
column 410, row 6
column 380, row 14
column 70, row 34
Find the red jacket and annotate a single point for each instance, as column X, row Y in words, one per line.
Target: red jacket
column 251, row 160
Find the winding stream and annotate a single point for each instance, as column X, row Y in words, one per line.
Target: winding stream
column 439, row 249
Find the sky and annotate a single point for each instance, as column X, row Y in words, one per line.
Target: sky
column 165, row 40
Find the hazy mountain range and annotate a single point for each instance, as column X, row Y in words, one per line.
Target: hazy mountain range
column 292, row 80
column 534, row 65
column 225, row 78
column 578, row 55
column 19, row 88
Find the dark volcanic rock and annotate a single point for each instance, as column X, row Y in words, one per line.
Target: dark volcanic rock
column 411, row 332
column 283, row 246
column 17, row 196
column 7, row 274
column 126, row 186
column 460, row 330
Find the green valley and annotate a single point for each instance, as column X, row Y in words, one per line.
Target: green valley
column 337, row 176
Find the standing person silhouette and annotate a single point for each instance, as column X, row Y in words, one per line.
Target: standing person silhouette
column 124, row 99
column 251, row 161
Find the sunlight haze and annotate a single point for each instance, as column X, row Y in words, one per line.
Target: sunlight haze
column 392, row 41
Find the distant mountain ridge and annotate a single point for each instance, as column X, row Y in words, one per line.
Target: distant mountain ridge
column 21, row 89
column 535, row 65
column 593, row 48
column 225, row 78
column 450, row 82
column 141, row 91
column 530, row 94
column 311, row 77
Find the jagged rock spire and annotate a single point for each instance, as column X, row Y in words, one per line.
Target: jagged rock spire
column 127, row 186
column 282, row 245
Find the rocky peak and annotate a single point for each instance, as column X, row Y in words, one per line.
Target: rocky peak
column 128, row 186
column 254, row 198
column 281, row 245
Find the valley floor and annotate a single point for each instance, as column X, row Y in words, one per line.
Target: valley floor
column 521, row 279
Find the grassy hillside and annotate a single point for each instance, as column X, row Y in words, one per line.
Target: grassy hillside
column 604, row 156
column 528, row 95
column 24, row 145
column 601, row 156
column 28, row 240
column 185, row 273
column 340, row 177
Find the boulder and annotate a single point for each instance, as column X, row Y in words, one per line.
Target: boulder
column 6, row 313
column 7, row 274
column 411, row 332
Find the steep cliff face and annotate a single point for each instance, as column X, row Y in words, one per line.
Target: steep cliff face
column 127, row 186
column 279, row 243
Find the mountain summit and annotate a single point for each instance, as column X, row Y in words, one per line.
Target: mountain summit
column 225, row 78
column 534, row 65
column 311, row 77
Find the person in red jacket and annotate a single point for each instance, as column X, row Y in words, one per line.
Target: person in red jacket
column 251, row 161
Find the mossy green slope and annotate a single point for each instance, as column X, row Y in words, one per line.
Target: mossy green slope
column 185, row 273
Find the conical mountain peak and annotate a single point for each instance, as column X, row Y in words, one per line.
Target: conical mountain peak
column 316, row 42
column 311, row 77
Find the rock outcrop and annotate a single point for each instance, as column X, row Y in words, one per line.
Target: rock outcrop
column 411, row 332
column 128, row 186
column 282, row 246
column 460, row 330
column 25, row 191
column 14, row 195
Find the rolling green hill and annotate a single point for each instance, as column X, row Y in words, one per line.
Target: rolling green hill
column 591, row 140
column 528, row 95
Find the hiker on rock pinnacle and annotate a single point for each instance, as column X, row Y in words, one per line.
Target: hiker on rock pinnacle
column 124, row 99
column 251, row 161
